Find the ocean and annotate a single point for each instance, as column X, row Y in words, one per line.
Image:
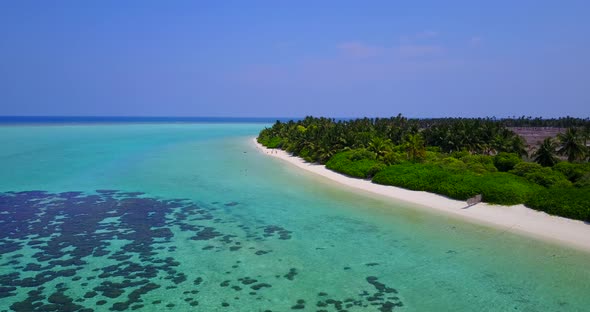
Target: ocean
column 187, row 215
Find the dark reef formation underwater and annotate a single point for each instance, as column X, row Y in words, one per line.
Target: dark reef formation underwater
column 59, row 252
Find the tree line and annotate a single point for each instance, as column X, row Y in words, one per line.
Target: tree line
column 318, row 139
column 455, row 157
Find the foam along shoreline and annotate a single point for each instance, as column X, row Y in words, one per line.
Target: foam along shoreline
column 517, row 219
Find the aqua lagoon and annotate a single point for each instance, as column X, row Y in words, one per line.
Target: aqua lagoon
column 190, row 216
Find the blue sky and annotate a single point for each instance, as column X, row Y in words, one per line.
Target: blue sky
column 295, row 58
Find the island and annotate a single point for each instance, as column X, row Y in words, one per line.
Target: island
column 521, row 162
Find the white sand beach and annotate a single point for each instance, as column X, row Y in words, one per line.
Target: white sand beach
column 517, row 219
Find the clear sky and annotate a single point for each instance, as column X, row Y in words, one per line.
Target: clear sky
column 295, row 58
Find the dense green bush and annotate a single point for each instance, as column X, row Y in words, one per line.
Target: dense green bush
column 306, row 154
column 394, row 158
column 270, row 142
column 506, row 189
column 567, row 202
column 499, row 188
column 572, row 171
column 460, row 154
column 289, row 147
column 506, row 161
column 375, row 169
column 479, row 163
column 473, row 163
column 548, row 178
column 457, row 186
column 452, row 163
column 525, row 167
column 419, row 177
column 360, row 154
column 538, row 174
column 584, row 181
column 356, row 163
column 432, row 156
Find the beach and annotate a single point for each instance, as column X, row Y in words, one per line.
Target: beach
column 517, row 219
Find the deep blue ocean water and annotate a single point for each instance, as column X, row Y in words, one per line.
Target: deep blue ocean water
column 189, row 216
column 60, row 120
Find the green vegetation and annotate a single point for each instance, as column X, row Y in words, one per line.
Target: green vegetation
column 506, row 161
column 415, row 147
column 570, row 202
column 356, row 163
column 497, row 188
column 545, row 154
column 578, row 174
column 572, row 145
column 562, row 122
column 538, row 174
column 454, row 157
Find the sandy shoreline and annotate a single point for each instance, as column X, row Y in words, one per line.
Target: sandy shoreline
column 518, row 218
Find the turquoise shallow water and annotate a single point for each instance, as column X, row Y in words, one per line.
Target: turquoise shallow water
column 218, row 226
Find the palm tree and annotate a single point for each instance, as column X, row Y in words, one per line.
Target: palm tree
column 519, row 146
column 380, row 146
column 571, row 145
column 415, row 147
column 545, row 155
column 586, row 133
column 586, row 136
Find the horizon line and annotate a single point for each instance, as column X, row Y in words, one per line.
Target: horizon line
column 278, row 117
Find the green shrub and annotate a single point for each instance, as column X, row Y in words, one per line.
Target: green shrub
column 473, row 163
column 355, row 163
column 506, row 189
column 452, row 163
column 569, row 202
column 412, row 176
column 584, row 181
column 547, row 177
column 375, row 169
column 270, row 142
column 457, row 186
column 538, row 174
column 360, row 154
column 525, row 167
column 498, row 188
column 393, row 158
column 506, row 161
column 480, row 163
column 572, row 172
column 305, row 154
column 289, row 147
column 435, row 149
column 432, row 156
column 460, row 154
column 480, row 168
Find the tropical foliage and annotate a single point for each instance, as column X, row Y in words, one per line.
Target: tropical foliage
column 318, row 139
column 356, row 163
column 572, row 145
column 562, row 122
column 499, row 188
column 506, row 161
column 545, row 154
column 454, row 157
column 570, row 202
